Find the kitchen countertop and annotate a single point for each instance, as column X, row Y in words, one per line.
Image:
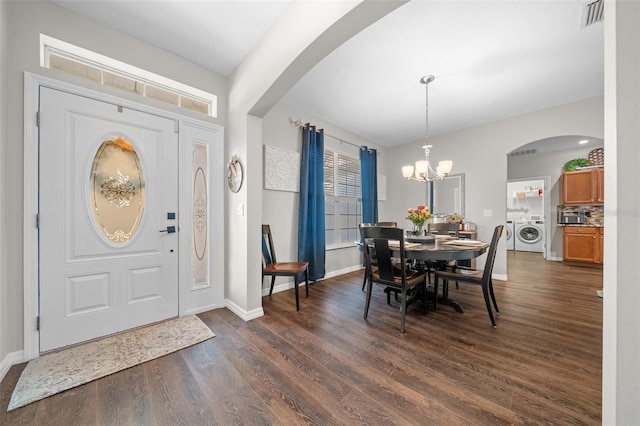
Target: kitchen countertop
column 583, row 225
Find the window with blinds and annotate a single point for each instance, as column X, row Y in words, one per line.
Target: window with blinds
column 343, row 206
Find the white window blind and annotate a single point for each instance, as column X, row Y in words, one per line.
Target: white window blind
column 343, row 207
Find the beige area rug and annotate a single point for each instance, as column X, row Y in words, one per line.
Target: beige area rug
column 68, row 368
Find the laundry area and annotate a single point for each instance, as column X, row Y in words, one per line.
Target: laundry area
column 525, row 216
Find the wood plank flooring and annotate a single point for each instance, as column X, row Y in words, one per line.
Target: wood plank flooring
column 325, row 365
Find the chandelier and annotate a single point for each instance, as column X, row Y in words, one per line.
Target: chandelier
column 423, row 171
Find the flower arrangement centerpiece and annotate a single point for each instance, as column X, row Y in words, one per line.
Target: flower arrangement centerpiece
column 418, row 217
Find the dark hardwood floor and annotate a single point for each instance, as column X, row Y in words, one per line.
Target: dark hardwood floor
column 326, row 365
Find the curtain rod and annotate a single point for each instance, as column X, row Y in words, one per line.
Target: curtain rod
column 300, row 124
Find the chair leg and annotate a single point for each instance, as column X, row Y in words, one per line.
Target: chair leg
column 273, row 281
column 368, row 300
column 435, row 293
column 403, row 308
column 424, row 298
column 306, row 281
column 485, row 292
column 493, row 297
column 295, row 283
column 364, row 281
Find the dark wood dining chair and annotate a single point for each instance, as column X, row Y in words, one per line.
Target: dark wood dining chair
column 271, row 267
column 390, row 224
column 376, row 245
column 475, row 276
column 431, row 266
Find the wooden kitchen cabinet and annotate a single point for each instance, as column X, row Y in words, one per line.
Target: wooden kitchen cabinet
column 600, row 249
column 583, row 187
column 583, row 244
column 599, row 175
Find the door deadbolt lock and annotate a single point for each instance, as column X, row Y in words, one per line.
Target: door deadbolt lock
column 169, row 230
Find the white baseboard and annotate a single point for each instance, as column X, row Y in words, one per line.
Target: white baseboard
column 555, row 259
column 501, row 277
column 243, row 313
column 343, row 271
column 201, row 309
column 10, row 360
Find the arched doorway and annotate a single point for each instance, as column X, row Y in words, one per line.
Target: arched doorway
column 543, row 160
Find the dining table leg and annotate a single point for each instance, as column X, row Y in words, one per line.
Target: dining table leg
column 445, row 300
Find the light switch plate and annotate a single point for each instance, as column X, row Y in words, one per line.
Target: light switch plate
column 488, row 213
column 240, row 209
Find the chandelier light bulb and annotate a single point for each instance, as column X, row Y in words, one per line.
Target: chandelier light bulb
column 422, row 167
column 407, row 171
column 445, row 166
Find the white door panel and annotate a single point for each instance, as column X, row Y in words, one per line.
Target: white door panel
column 104, row 264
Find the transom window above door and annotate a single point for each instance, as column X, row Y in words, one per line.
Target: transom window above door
column 70, row 59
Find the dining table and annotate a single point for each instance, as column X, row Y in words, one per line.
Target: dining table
column 443, row 249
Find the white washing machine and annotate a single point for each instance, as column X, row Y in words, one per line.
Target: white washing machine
column 510, row 230
column 529, row 235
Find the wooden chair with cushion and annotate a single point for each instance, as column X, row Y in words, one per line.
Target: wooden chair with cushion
column 270, row 266
column 475, row 276
column 376, row 245
column 389, row 224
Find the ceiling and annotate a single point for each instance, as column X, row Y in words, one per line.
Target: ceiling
column 491, row 59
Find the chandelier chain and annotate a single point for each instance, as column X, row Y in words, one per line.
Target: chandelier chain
column 426, row 112
column 423, row 169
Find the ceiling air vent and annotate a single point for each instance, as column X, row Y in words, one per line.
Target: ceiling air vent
column 592, row 13
column 523, row 152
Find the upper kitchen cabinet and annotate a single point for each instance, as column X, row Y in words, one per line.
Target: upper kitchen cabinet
column 583, row 187
column 600, row 186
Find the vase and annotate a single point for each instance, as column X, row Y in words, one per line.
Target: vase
column 417, row 229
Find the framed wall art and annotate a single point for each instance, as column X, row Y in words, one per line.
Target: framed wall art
column 281, row 169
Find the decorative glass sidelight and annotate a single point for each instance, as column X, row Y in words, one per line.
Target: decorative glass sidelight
column 117, row 190
column 200, row 262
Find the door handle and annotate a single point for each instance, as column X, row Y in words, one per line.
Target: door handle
column 169, row 230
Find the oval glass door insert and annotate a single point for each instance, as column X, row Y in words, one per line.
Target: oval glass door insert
column 117, row 190
column 200, row 214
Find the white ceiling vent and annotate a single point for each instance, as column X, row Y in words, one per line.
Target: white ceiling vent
column 592, row 13
column 523, row 152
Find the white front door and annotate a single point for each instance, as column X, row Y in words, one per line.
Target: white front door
column 108, row 197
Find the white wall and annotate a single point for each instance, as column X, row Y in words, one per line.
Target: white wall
column 621, row 339
column 280, row 208
column 4, row 309
column 547, row 164
column 24, row 23
column 480, row 153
